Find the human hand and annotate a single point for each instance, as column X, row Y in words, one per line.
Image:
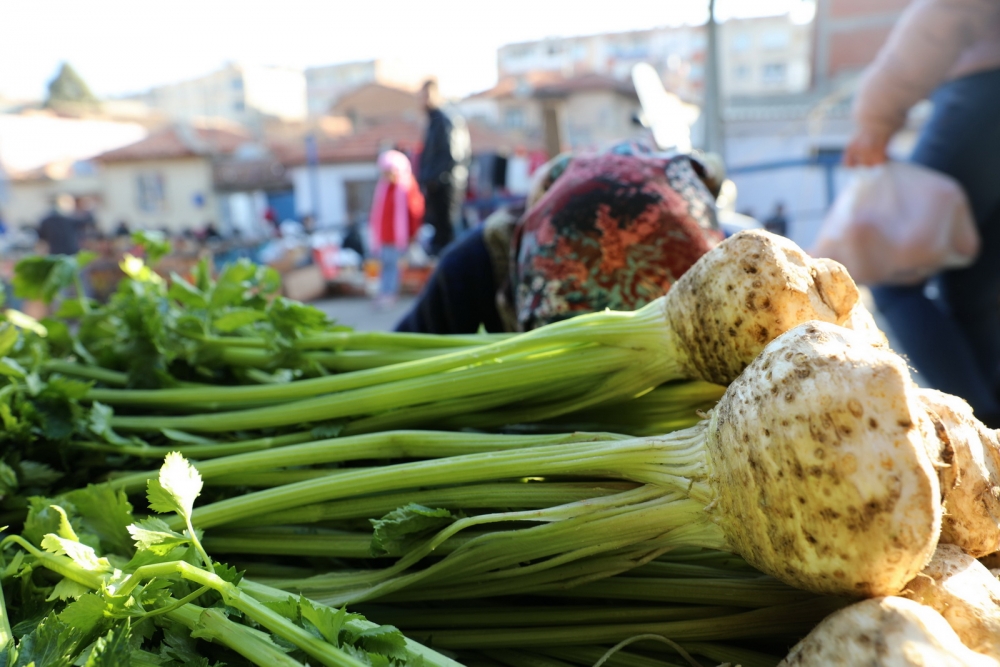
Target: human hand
column 866, row 148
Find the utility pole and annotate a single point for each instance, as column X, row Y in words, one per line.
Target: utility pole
column 712, row 108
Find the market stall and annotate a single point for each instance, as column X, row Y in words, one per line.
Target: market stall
column 739, row 472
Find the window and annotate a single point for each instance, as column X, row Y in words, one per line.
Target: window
column 239, row 106
column 151, row 193
column 741, row 42
column 514, row 118
column 741, row 72
column 775, row 39
column 237, row 83
column 520, row 51
column 773, row 73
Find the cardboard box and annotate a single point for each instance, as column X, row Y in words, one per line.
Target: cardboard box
column 304, row 284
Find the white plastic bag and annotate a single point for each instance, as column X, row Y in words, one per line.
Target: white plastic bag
column 899, row 223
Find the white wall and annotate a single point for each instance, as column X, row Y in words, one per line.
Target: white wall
column 332, row 193
column 183, row 180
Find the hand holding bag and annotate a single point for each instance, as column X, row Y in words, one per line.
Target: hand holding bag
column 899, row 223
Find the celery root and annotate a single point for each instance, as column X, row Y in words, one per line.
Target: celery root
column 965, row 593
column 970, row 478
column 887, row 631
column 801, row 478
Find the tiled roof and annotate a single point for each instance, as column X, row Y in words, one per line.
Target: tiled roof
column 509, row 86
column 366, row 145
column 586, row 82
column 179, row 142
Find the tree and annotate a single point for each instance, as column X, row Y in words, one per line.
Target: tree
column 68, row 87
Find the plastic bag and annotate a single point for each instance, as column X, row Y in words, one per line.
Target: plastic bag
column 899, row 223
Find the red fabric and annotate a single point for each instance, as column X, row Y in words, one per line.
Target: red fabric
column 388, row 232
column 415, row 204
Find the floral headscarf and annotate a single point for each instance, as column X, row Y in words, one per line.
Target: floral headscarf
column 613, row 230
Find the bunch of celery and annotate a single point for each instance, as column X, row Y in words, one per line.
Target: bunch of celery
column 709, row 326
column 76, row 591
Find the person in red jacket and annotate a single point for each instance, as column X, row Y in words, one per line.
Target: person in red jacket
column 396, row 215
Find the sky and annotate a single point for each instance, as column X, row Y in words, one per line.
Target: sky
column 124, row 46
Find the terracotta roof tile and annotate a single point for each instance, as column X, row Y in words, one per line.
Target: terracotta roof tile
column 178, row 142
column 366, row 145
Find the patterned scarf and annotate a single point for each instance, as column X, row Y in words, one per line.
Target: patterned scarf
column 613, row 230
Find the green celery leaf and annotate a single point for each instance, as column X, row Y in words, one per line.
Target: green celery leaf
column 384, row 640
column 153, row 534
column 236, row 318
column 232, row 284
column 67, row 589
column 42, row 277
column 8, row 480
column 52, row 644
column 70, row 309
column 34, row 473
column 178, row 644
column 65, row 529
column 80, row 554
column 405, row 525
column 176, row 488
column 185, row 293
column 42, row 519
column 8, row 338
column 327, row 621
column 228, row 573
column 86, row 613
column 11, row 368
column 59, row 386
column 99, row 423
column 155, row 244
column 106, row 513
column 289, row 608
column 292, row 319
column 113, row 649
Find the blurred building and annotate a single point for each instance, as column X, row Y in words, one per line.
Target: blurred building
column 763, row 55
column 245, row 94
column 42, row 155
column 326, row 85
column 848, row 35
column 372, row 104
column 584, row 111
column 166, row 180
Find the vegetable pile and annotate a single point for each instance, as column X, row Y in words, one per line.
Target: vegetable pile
column 749, row 456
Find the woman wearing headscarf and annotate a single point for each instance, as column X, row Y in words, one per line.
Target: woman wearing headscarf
column 396, row 215
column 608, row 230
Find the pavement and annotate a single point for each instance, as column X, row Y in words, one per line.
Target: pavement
column 362, row 314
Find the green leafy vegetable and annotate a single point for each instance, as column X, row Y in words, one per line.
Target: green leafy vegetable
column 403, row 526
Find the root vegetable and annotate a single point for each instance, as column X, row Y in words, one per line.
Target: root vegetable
column 965, row 593
column 819, row 465
column 815, row 467
column 970, row 476
column 889, row 632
